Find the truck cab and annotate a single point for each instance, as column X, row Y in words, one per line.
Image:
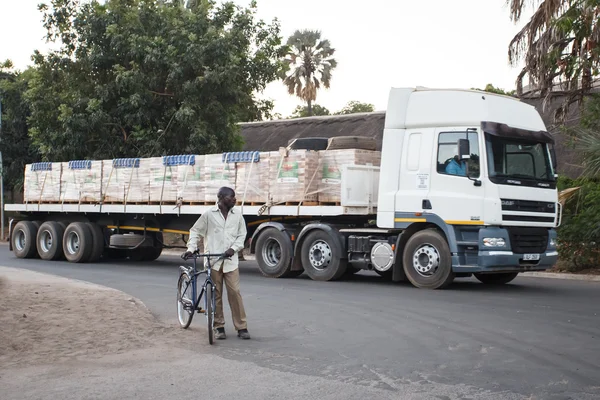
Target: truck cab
column 472, row 171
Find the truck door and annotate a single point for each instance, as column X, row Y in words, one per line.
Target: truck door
column 453, row 196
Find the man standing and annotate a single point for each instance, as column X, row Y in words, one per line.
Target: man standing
column 224, row 231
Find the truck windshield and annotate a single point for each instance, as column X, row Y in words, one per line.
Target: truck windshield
column 518, row 162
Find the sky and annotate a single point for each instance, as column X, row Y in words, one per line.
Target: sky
column 379, row 44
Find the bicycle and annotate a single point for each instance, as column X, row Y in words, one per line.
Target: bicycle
column 186, row 305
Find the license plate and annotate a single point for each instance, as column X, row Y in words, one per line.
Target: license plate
column 531, row 257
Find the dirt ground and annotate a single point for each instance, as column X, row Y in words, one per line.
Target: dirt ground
column 44, row 319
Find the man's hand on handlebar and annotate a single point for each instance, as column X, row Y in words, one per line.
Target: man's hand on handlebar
column 187, row 255
column 229, row 253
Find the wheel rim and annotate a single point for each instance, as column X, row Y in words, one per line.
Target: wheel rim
column 20, row 241
column 320, row 255
column 73, row 242
column 45, row 241
column 426, row 260
column 271, row 252
column 183, row 296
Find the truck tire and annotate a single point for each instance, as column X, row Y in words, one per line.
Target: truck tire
column 352, row 142
column 78, row 242
column 155, row 251
column 427, row 260
column 320, row 258
column 310, row 143
column 49, row 240
column 152, row 253
column 23, row 239
column 274, row 255
column 97, row 242
column 496, row 279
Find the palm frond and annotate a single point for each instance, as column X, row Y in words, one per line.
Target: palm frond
column 588, row 144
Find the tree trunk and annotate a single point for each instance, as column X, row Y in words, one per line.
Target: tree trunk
column 309, row 103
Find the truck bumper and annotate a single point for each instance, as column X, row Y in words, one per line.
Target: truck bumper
column 511, row 257
column 507, row 261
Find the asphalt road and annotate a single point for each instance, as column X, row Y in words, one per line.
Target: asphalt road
column 535, row 338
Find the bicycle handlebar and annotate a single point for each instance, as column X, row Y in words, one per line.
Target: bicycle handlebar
column 221, row 256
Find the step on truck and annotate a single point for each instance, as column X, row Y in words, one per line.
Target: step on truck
column 466, row 186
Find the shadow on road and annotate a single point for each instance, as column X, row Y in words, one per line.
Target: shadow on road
column 249, row 268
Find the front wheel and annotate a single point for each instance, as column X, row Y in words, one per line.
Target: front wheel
column 496, row 279
column 210, row 313
column 185, row 302
column 427, row 260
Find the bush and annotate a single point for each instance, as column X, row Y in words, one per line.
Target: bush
column 579, row 233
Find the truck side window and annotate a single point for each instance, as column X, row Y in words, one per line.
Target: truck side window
column 447, row 158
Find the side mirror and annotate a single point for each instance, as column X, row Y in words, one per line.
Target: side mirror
column 464, row 149
column 553, row 158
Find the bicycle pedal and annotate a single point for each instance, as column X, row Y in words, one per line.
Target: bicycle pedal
column 201, row 310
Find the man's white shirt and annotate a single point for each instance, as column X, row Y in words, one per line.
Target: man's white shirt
column 219, row 235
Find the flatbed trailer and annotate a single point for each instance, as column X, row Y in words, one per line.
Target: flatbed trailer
column 411, row 218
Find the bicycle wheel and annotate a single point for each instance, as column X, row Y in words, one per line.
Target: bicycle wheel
column 185, row 311
column 210, row 312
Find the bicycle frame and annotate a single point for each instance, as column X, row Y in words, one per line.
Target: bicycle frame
column 193, row 274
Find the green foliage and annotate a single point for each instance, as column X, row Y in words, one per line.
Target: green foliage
column 492, row 89
column 356, row 107
column 302, row 111
column 558, row 44
column 14, row 141
column 145, row 77
column 308, row 65
column 579, row 233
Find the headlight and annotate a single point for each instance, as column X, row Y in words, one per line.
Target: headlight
column 494, row 242
column 552, row 242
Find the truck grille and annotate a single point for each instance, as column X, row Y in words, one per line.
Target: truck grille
column 528, row 240
column 528, row 206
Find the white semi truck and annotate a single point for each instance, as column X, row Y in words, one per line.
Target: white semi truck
column 466, row 186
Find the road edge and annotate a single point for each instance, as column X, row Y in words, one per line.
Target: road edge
column 91, row 285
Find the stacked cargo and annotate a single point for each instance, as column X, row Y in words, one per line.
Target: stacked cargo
column 293, row 176
column 284, row 177
column 217, row 173
column 162, row 183
column 252, row 176
column 126, row 180
column 42, row 182
column 331, row 166
column 190, row 179
column 81, row 181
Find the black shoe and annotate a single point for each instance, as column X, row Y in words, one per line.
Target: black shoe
column 243, row 334
column 220, row 334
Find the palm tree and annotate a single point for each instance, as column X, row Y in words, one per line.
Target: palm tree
column 560, row 43
column 309, row 62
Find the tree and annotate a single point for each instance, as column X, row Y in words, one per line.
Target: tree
column 309, row 62
column 145, row 78
column 560, row 43
column 302, row 111
column 15, row 144
column 492, row 89
column 356, row 107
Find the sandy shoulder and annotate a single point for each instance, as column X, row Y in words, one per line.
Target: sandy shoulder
column 45, row 318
